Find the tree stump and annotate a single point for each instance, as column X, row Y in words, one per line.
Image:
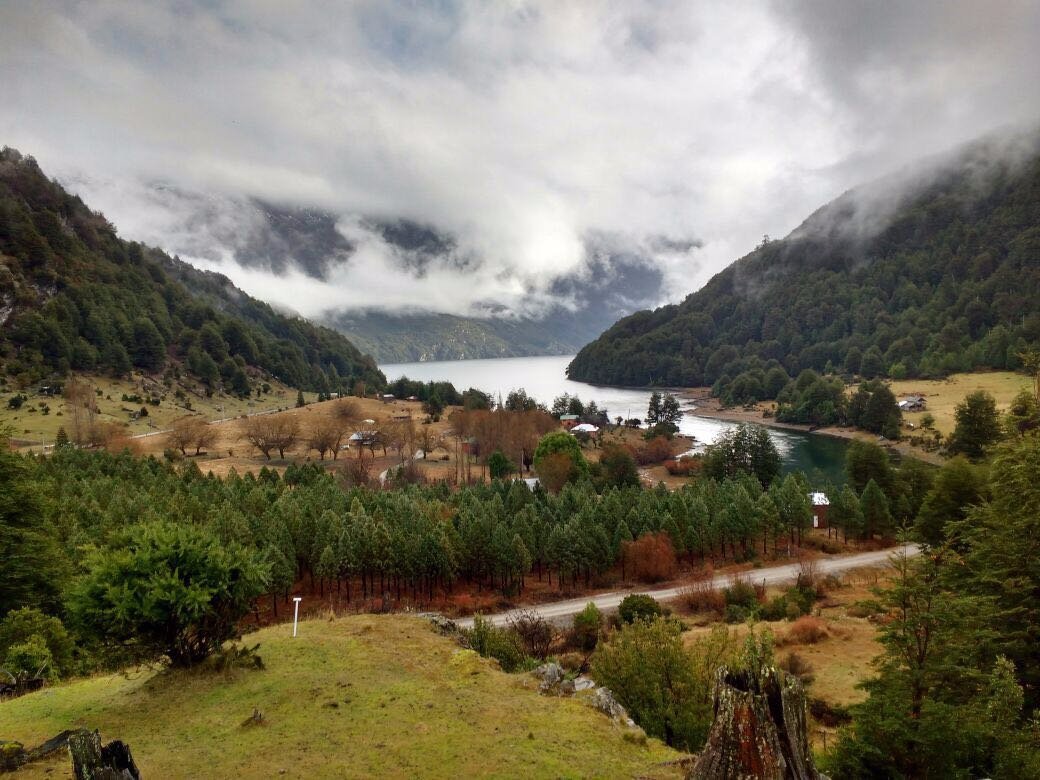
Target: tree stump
column 92, row 761
column 759, row 729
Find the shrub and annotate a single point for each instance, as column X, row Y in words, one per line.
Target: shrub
column 807, row 630
column 774, row 609
column 703, row 596
column 650, row 558
column 741, row 593
column 30, row 657
column 491, row 642
column 535, row 633
column 684, row 467
column 638, row 606
column 656, row 450
column 798, row 666
column 735, row 613
column 23, row 625
column 587, row 625
column 653, row 675
column 867, row 608
column 175, row 590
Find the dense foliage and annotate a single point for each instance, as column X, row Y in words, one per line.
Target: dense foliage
column 76, row 297
column 947, row 281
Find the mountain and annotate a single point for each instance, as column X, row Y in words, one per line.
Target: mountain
column 920, row 274
column 278, row 240
column 75, row 296
column 614, row 287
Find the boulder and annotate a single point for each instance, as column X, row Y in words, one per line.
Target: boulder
column 603, row 700
column 551, row 676
column 93, row 761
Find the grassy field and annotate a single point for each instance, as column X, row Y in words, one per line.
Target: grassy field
column 30, row 426
column 361, row 696
column 943, row 395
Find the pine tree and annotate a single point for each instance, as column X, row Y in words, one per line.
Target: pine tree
column 877, row 518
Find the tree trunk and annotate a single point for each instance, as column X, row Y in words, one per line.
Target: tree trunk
column 759, row 729
column 91, row 761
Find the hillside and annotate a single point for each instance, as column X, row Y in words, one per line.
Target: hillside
column 923, row 274
column 361, row 696
column 76, row 297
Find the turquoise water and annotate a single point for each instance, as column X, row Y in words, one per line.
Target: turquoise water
column 822, row 458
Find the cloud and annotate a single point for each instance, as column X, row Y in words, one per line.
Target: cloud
column 522, row 130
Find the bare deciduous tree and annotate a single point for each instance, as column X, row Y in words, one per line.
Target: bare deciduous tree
column 259, row 432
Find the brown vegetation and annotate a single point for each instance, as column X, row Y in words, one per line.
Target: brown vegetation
column 806, row 630
column 191, row 431
column 650, row 558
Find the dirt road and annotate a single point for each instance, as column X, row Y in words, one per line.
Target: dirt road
column 771, row 575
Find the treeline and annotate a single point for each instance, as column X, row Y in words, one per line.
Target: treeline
column 949, row 283
column 82, row 299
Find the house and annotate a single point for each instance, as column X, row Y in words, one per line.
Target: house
column 912, row 403
column 568, row 421
column 401, row 414
column 387, row 398
column 820, row 505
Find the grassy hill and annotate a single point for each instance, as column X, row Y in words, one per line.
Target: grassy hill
column 361, row 696
column 919, row 275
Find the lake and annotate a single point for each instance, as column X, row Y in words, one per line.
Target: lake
column 545, row 378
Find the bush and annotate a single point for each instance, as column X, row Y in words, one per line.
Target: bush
column 175, row 590
column 798, row 666
column 807, row 630
column 31, row 658
column 735, row 613
column 638, row 606
column 650, row 558
column 703, row 596
column 774, row 609
column 535, row 633
column 656, row 450
column 502, row 645
column 20, row 626
column 587, row 625
column 653, row 675
column 684, row 467
column 741, row 593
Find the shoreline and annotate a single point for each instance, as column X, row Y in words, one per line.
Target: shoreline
column 706, row 406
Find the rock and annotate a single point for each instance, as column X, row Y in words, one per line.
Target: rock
column 551, row 676
column 444, row 625
column 759, row 729
column 583, row 683
column 603, row 700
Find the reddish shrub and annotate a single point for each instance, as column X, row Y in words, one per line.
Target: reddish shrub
column 657, row 450
column 684, row 467
column 651, row 557
column 807, row 630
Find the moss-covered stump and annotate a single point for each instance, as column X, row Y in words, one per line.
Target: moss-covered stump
column 759, row 729
column 92, row 761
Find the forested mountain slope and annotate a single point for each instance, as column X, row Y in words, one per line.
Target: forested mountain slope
column 918, row 275
column 76, row 297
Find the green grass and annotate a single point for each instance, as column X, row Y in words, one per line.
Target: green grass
column 361, row 696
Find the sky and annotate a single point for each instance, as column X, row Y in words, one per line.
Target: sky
column 678, row 132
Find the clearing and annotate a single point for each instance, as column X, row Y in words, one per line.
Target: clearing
column 360, row 696
column 943, row 395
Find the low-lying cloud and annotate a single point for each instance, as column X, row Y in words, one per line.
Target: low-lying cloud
column 523, row 131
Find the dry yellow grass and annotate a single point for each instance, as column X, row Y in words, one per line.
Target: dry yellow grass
column 943, row 395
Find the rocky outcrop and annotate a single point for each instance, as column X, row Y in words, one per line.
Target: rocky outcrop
column 759, row 729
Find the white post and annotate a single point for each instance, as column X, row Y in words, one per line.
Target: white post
column 296, row 613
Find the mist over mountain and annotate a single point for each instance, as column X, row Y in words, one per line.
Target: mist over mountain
column 324, row 252
column 927, row 271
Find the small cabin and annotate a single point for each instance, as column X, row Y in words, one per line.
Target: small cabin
column 820, row 505
column 568, row 421
column 912, row 403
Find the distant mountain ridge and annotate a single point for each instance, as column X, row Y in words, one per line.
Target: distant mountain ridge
column 75, row 296
column 920, row 274
column 281, row 239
